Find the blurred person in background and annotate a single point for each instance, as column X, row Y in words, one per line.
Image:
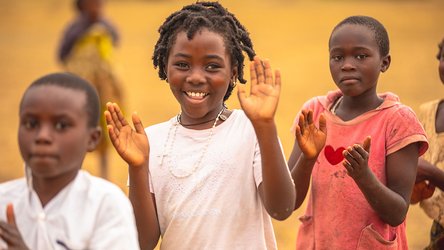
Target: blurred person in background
column 431, row 164
column 86, row 49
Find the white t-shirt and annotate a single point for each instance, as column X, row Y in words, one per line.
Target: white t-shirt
column 89, row 213
column 218, row 205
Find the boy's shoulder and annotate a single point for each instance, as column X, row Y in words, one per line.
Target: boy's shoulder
column 12, row 187
column 96, row 185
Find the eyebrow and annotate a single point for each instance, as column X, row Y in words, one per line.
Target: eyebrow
column 211, row 56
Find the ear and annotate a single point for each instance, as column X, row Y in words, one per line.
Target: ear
column 95, row 134
column 234, row 74
column 385, row 63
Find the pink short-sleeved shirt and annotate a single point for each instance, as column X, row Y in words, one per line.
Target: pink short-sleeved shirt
column 338, row 216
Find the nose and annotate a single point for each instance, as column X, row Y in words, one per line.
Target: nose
column 348, row 64
column 44, row 135
column 196, row 76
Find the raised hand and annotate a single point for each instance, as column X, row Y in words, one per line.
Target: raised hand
column 311, row 140
column 9, row 231
column 131, row 144
column 261, row 103
column 356, row 159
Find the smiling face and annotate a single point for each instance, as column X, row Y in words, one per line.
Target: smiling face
column 199, row 72
column 53, row 133
column 355, row 59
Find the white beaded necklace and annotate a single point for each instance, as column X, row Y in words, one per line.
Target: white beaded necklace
column 176, row 172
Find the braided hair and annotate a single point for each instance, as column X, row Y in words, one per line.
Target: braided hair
column 191, row 19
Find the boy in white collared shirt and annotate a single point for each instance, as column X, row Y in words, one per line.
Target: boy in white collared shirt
column 57, row 205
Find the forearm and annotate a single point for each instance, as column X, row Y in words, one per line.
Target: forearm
column 390, row 206
column 144, row 207
column 301, row 175
column 433, row 174
column 278, row 187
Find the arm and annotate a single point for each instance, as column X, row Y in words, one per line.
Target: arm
column 390, row 202
column 428, row 171
column 308, row 144
column 277, row 188
column 9, row 231
column 132, row 145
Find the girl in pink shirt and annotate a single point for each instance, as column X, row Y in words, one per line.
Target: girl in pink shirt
column 363, row 169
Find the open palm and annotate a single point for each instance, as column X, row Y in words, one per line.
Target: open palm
column 131, row 144
column 261, row 103
column 311, row 140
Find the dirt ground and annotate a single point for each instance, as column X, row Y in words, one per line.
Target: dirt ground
column 292, row 34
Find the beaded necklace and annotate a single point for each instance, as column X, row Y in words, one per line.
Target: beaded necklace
column 168, row 147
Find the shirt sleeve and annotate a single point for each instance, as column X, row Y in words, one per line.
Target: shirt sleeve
column 404, row 128
column 115, row 225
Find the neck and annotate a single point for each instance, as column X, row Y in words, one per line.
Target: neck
column 204, row 122
column 48, row 188
column 350, row 107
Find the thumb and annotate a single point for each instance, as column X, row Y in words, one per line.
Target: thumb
column 10, row 217
column 366, row 144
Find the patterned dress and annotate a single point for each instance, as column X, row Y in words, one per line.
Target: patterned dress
column 434, row 206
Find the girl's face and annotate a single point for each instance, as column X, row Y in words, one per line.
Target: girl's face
column 355, row 60
column 441, row 66
column 199, row 72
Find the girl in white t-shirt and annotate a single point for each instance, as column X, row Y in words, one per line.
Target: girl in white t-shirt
column 210, row 177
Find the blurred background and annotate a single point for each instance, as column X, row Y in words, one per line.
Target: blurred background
column 293, row 34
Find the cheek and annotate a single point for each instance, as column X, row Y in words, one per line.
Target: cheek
column 441, row 70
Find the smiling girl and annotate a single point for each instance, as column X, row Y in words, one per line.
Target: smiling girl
column 210, row 177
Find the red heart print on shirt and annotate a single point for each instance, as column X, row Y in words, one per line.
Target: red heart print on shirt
column 333, row 156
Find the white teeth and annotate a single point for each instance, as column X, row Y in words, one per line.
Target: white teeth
column 196, row 94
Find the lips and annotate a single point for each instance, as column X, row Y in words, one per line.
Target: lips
column 349, row 79
column 43, row 156
column 196, row 95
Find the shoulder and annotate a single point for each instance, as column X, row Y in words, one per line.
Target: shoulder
column 98, row 188
column 159, row 127
column 12, row 190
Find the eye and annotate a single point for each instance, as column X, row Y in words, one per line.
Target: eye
column 181, row 66
column 361, row 57
column 336, row 58
column 213, row 67
column 61, row 125
column 30, row 123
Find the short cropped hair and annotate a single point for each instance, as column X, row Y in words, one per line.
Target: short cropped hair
column 71, row 81
column 379, row 30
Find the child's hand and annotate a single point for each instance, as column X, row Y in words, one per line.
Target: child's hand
column 262, row 102
column 131, row 144
column 9, row 231
column 311, row 140
column 356, row 159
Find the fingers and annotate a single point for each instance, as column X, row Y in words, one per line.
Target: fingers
column 138, row 124
column 241, row 93
column 115, row 117
column 262, row 73
column 302, row 120
column 323, row 124
column 366, row 144
column 298, row 133
column 277, row 75
column 253, row 75
column 10, row 217
column 259, row 67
